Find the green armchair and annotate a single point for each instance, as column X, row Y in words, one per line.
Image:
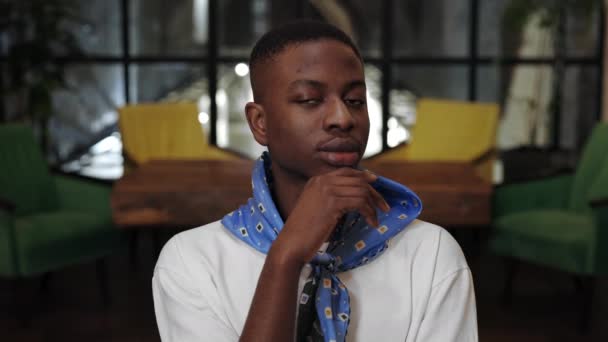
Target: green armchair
column 48, row 221
column 559, row 222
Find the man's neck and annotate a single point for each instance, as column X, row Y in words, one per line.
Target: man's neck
column 286, row 189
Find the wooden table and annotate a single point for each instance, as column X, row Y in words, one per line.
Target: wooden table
column 188, row 193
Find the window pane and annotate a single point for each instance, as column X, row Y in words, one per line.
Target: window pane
column 373, row 82
column 244, row 21
column 582, row 33
column 170, row 81
column 233, row 93
column 100, row 31
column 580, row 111
column 511, row 29
column 85, row 112
column 527, row 114
column 448, row 82
column 160, row 27
column 431, row 28
column 363, row 20
column 489, row 87
column 63, row 27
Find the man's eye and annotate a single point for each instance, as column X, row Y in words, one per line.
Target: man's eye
column 309, row 102
column 354, row 102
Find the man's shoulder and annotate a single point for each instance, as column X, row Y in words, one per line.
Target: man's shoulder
column 432, row 246
column 419, row 232
column 201, row 245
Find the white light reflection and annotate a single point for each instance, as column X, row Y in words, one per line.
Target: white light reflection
column 396, row 136
column 241, row 69
column 203, row 118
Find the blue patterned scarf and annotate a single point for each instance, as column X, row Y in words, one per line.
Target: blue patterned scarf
column 353, row 244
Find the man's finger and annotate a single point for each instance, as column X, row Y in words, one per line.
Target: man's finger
column 379, row 201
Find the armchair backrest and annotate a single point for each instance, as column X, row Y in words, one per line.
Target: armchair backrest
column 594, row 156
column 453, row 130
column 164, row 131
column 24, row 176
column 448, row 130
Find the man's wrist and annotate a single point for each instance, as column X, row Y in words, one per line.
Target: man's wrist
column 284, row 259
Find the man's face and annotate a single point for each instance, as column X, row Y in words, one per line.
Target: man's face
column 315, row 105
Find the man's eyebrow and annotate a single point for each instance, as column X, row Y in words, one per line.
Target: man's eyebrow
column 306, row 83
column 354, row 84
column 320, row 85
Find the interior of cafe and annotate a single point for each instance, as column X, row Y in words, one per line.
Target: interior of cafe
column 122, row 124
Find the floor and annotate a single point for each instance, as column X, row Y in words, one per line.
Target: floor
column 544, row 307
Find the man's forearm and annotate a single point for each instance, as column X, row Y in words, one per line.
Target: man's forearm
column 273, row 309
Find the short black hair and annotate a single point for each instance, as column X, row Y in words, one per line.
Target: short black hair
column 299, row 31
column 296, row 32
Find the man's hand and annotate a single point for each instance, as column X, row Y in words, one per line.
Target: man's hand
column 323, row 202
column 321, row 205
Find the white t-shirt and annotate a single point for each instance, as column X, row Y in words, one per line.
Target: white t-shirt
column 419, row 289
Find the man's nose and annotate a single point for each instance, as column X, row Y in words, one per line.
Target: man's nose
column 338, row 116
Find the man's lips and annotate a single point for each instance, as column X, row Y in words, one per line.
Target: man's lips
column 340, row 145
column 340, row 152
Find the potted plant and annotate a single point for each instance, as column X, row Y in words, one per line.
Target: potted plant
column 35, row 32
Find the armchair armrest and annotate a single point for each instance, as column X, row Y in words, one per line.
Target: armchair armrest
column 547, row 193
column 8, row 249
column 78, row 194
column 600, row 213
column 598, row 194
column 598, row 200
column 6, row 205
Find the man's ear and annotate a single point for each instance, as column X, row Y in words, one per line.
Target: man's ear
column 256, row 118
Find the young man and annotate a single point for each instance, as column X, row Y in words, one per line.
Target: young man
column 323, row 251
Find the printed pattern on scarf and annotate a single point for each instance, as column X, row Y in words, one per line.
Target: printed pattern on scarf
column 353, row 244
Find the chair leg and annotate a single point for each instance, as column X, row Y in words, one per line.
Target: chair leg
column 133, row 248
column 512, row 266
column 43, row 291
column 23, row 310
column 102, row 280
column 44, row 282
column 157, row 244
column 586, row 288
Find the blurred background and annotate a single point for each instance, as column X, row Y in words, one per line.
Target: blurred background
column 509, row 91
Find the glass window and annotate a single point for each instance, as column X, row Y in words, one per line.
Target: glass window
column 86, row 111
column 360, row 19
column 63, row 27
column 582, row 33
column 373, row 82
column 448, row 82
column 489, row 86
column 233, row 93
column 580, row 107
column 244, row 21
column 527, row 111
column 431, row 28
column 99, row 30
column 167, row 82
column 513, row 28
column 160, row 27
column 527, row 92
